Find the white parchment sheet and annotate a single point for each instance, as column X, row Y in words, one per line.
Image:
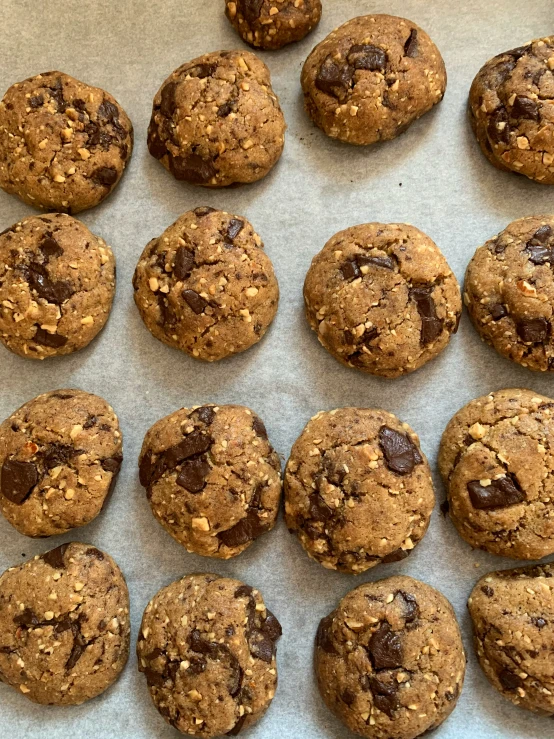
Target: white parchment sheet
column 433, row 176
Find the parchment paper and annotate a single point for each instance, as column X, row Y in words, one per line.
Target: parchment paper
column 433, row 177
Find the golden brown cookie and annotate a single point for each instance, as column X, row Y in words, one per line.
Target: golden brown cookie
column 60, row 455
column 57, row 284
column 63, row 144
column 64, row 625
column 207, row 649
column 272, row 24
column 217, row 122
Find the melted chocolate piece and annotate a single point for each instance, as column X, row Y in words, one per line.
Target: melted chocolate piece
column 195, row 301
column 17, row 480
column 400, row 452
column 334, row 78
column 44, row 338
column 55, row 557
column 501, row 493
column 259, row 427
column 191, row 168
column 323, row 638
column 193, row 475
column 533, row 330
column 524, row 107
column 385, row 696
column 411, row 45
column 184, row 262
column 385, row 648
column 233, row 229
column 431, row 324
column 367, row 57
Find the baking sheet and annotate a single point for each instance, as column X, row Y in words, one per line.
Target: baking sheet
column 433, row 177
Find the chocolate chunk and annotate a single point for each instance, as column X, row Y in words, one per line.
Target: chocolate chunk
column 146, row 470
column 226, row 108
column 153, row 678
column 17, row 480
column 79, row 646
column 156, row 146
column 112, row 464
column 259, row 427
column 195, row 443
column 533, row 330
column 350, row 270
column 90, row 422
column 396, row 556
column 204, row 210
column 324, row 639
column 205, row 413
column 498, row 311
column 44, row 338
column 201, row 71
column 50, row 247
column 56, row 93
column 27, row 617
column 261, row 646
column 105, row 176
column 57, row 454
column 195, row 301
column 192, row 168
column 410, row 607
column 334, row 77
column 233, row 229
column 411, row 45
column 501, row 493
column 193, row 475
column 202, row 646
column 400, row 452
column 64, row 623
column 55, row 557
column 367, row 57
column 524, row 107
column 183, row 264
column 488, row 591
column 318, row 508
column 36, row 101
column 431, row 324
column 235, row 731
column 509, row 680
column 348, row 697
column 244, row 591
column 542, row 235
column 385, row 648
column 498, row 130
column 168, row 104
column 539, row 254
column 108, row 112
column 385, row 697
column 271, row 627
column 384, row 262
column 251, row 9
column 54, row 292
column 95, row 553
column 235, row 681
column 539, row 622
column 246, row 530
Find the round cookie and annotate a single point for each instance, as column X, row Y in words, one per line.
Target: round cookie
column 64, row 625
column 206, row 286
column 370, row 79
column 217, row 122
column 57, row 284
column 497, row 464
column 509, row 292
column 358, row 490
column 207, row 649
column 60, row 455
column 513, row 623
column 510, row 107
column 272, row 24
column 212, row 478
column 389, row 659
column 382, row 298
column 63, row 144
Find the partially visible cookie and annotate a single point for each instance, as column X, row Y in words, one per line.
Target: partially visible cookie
column 217, row 122
column 64, row 625
column 513, row 624
column 272, row 24
column 370, row 79
column 213, row 479
column 358, row 490
column 510, row 106
column 206, row 285
column 509, row 292
column 57, row 284
column 382, row 298
column 60, row 455
column 63, row 144
column 389, row 659
column 207, row 649
column 497, row 464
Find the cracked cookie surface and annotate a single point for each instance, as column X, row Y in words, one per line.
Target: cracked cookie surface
column 217, row 122
column 57, row 284
column 60, row 455
column 371, row 78
column 511, row 107
column 509, row 292
column 207, row 649
column 212, row 478
column 272, row 24
column 513, row 625
column 206, row 285
column 382, row 298
column 389, row 659
column 64, row 625
column 497, row 464
column 358, row 490
column 63, row 144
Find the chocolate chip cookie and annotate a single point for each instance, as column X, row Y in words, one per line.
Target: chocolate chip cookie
column 497, row 464
column 358, row 490
column 64, row 625
column 382, row 298
column 510, row 107
column 389, row 659
column 57, row 284
column 513, row 623
column 63, row 144
column 509, row 292
column 217, row 122
column 60, row 455
column 206, row 286
column 272, row 24
column 370, row 79
column 212, row 478
column 207, row 649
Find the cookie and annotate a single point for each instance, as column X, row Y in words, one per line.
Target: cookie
column 206, row 286
column 382, row 298
column 497, row 465
column 64, row 625
column 358, row 490
column 370, row 79
column 212, row 478
column 513, row 624
column 60, row 455
column 207, row 649
column 389, row 659
column 57, row 284
column 509, row 292
column 272, row 24
column 510, row 110
column 63, row 144
column 217, row 122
